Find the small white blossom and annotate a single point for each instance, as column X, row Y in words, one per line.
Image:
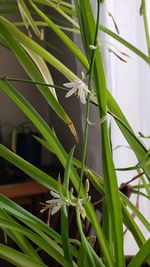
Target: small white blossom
column 61, row 202
column 55, row 204
column 77, row 87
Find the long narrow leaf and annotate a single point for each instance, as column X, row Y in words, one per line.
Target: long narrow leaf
column 62, row 36
column 61, row 154
column 35, row 75
column 17, row 258
column 27, row 17
column 133, row 227
column 59, row 10
column 110, row 181
column 141, row 256
column 20, row 240
column 65, row 240
column 125, row 43
column 40, row 242
column 67, row 172
column 136, row 212
column 91, row 256
column 137, row 147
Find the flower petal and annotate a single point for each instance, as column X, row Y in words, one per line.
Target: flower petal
column 52, row 202
column 81, row 96
column 55, row 209
column 54, row 194
column 71, row 92
column 70, row 85
column 44, row 209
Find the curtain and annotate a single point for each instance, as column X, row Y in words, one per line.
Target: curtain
column 130, row 85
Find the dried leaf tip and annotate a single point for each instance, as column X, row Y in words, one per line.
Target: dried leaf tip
column 74, row 132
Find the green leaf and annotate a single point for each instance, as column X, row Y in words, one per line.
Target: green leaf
column 82, row 260
column 136, row 211
column 27, row 218
column 110, row 179
column 64, row 218
column 65, row 240
column 141, row 256
column 125, row 43
column 18, row 238
column 31, row 70
column 143, row 11
column 67, row 172
column 92, row 257
column 51, row 139
column 30, row 44
column 138, row 147
column 26, row 16
column 63, row 37
column 133, row 227
column 44, row 71
column 49, row 246
column 146, row 185
column 17, row 258
column 58, row 9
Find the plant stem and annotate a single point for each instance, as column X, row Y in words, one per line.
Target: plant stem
column 88, row 99
column 33, row 82
column 147, row 34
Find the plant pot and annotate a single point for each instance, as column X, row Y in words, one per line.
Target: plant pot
column 29, row 148
column 2, row 164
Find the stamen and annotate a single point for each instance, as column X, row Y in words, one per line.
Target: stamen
column 115, row 24
column 113, row 52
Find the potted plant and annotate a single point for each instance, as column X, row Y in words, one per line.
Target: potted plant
column 24, row 143
column 71, row 191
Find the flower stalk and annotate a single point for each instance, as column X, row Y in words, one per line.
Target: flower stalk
column 88, row 99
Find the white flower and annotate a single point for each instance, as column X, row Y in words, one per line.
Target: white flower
column 60, row 201
column 77, row 87
column 55, row 204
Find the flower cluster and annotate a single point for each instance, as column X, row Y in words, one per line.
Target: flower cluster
column 59, row 201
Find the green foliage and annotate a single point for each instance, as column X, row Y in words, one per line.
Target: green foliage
column 28, row 232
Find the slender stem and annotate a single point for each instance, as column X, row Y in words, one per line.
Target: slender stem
column 88, row 100
column 32, row 82
column 147, row 34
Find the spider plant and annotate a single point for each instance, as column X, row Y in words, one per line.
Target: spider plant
column 72, row 190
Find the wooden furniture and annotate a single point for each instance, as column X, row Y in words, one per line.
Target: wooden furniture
column 28, row 194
